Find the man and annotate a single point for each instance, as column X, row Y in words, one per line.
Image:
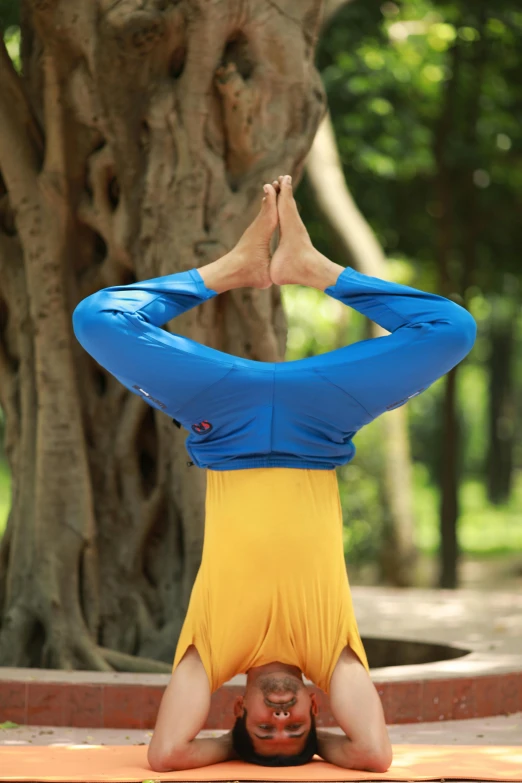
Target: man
column 271, row 597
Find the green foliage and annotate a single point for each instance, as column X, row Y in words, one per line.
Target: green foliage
column 316, row 324
column 12, row 43
column 484, row 530
column 360, row 489
column 10, row 28
column 9, row 13
column 404, row 79
column 426, row 102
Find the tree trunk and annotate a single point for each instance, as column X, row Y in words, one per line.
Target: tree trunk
column 134, row 146
column 501, row 402
column 359, row 247
column 449, row 485
column 445, row 248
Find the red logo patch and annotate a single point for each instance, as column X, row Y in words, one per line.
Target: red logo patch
column 202, row 427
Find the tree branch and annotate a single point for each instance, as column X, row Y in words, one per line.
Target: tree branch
column 54, row 162
column 21, row 139
column 334, row 200
column 240, row 105
column 357, row 241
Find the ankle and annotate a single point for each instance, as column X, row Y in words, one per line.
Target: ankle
column 316, row 270
column 326, row 273
column 221, row 275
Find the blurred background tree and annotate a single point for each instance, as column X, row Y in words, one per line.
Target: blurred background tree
column 135, row 138
column 425, row 102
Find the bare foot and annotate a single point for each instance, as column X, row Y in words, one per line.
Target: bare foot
column 252, row 253
column 247, row 265
column 296, row 260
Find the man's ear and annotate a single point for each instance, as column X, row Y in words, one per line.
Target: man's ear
column 313, row 702
column 238, row 707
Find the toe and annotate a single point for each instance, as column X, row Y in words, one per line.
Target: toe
column 270, row 194
column 286, row 204
column 285, row 185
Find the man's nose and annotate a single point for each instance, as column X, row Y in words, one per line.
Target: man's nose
column 280, row 714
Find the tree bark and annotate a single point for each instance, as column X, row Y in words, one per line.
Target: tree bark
column 501, row 400
column 449, row 487
column 134, row 146
column 360, row 248
column 445, row 249
column 457, row 259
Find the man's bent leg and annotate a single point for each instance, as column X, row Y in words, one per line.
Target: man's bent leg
column 429, row 334
column 121, row 326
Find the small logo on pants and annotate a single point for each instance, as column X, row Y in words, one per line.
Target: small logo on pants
column 401, row 402
column 149, row 396
column 202, row 427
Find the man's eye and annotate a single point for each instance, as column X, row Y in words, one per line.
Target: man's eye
column 265, row 728
column 295, row 727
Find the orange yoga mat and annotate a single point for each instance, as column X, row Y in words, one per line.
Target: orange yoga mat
column 119, row 764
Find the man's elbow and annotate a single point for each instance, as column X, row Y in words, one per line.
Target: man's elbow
column 366, row 758
column 380, row 759
column 172, row 760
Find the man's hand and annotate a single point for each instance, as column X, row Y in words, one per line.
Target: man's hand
column 200, row 753
column 357, row 708
column 228, row 747
column 182, row 714
column 341, row 751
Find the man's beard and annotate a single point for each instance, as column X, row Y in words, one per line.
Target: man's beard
column 270, row 685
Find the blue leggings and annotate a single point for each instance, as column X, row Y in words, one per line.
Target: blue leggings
column 242, row 413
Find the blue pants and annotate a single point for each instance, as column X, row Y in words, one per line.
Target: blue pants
column 242, row 413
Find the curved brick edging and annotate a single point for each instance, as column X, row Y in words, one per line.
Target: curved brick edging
column 92, row 700
column 484, row 683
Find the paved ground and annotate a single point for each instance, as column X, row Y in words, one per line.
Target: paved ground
column 486, row 622
column 502, row 572
column 485, row 731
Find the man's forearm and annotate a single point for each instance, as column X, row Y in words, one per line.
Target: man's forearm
column 201, row 753
column 206, row 751
column 341, row 751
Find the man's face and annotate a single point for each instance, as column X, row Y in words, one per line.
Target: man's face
column 279, row 713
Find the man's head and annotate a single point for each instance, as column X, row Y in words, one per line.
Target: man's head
column 275, row 721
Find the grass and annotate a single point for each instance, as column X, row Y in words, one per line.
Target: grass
column 483, row 530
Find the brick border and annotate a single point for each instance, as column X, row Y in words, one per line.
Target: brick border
column 134, row 704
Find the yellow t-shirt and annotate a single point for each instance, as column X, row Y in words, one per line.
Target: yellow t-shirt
column 272, row 585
